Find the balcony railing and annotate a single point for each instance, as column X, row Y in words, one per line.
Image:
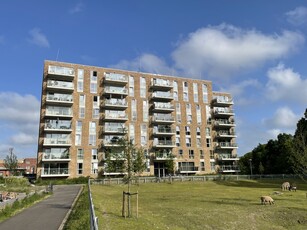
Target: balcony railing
column 161, row 83
column 117, row 103
column 226, row 157
column 108, row 116
column 223, row 101
column 60, row 99
column 116, row 78
column 224, row 122
column 164, row 119
column 114, row 90
column 164, row 143
column 57, row 141
column 57, row 127
column 164, row 130
column 229, row 168
column 225, row 133
column 162, row 95
column 59, row 70
column 60, row 85
column 63, row 113
column 55, row 172
column 114, row 129
column 163, row 107
column 226, row 145
column 186, row 169
column 56, row 157
column 163, row 156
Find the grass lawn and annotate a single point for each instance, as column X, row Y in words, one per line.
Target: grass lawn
column 203, row 205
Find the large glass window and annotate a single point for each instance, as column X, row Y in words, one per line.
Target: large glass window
column 142, row 87
column 80, row 80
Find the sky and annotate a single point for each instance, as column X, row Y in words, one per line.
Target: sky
column 255, row 50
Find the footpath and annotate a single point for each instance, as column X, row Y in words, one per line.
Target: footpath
column 49, row 214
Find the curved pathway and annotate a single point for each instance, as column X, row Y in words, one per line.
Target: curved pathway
column 48, row 214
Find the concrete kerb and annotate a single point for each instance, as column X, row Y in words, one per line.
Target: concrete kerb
column 71, row 208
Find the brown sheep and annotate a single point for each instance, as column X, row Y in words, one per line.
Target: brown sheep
column 266, row 199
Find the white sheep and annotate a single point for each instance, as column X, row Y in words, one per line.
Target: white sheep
column 285, row 186
column 266, row 199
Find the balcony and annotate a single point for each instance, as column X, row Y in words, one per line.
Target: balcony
column 61, row 72
column 162, row 96
column 164, row 144
column 50, row 127
column 109, row 90
column 59, row 112
column 114, row 130
column 163, row 131
column 163, row 119
column 226, row 145
column 224, row 123
column 161, row 84
column 225, row 101
column 60, row 86
column 115, row 78
column 227, row 157
column 114, row 103
column 57, row 142
column 110, row 141
column 60, row 99
column 115, row 117
column 55, row 172
column 228, row 169
column 163, row 107
column 163, row 156
column 48, row 157
column 225, row 134
column 188, row 169
column 224, row 112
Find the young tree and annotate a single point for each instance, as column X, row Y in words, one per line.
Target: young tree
column 299, row 153
column 11, row 162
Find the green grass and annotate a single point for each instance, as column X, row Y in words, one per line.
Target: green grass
column 80, row 217
column 203, row 205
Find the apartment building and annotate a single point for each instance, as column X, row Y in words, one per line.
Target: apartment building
column 86, row 109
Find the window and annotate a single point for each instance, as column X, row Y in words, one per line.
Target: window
column 208, row 115
column 81, row 106
column 94, row 167
column 198, row 142
column 180, row 153
column 145, row 111
column 131, row 132
column 198, row 114
column 143, row 134
column 208, row 140
column 202, row 166
column 185, row 96
column 188, row 142
column 92, row 133
column 191, row 154
column 94, row 154
column 212, row 166
column 95, row 102
column 80, row 154
column 198, row 131
column 133, row 110
column 195, row 92
column 92, row 140
column 178, row 113
column 142, row 87
column 131, row 86
column 177, row 130
column 80, row 168
column 93, row 85
column 175, row 90
column 208, row 132
column 95, row 113
column 187, row 131
column 80, row 80
column 177, row 141
column 201, row 154
column 78, row 139
column 81, row 112
column 205, row 93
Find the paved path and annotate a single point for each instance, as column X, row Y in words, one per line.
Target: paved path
column 47, row 214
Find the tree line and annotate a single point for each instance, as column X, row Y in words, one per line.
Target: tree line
column 285, row 155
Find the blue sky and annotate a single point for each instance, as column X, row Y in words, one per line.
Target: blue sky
column 255, row 50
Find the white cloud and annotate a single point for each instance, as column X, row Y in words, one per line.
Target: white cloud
column 77, row 8
column 147, row 63
column 19, row 120
column 284, row 118
column 298, row 16
column 285, row 84
column 223, row 50
column 38, row 38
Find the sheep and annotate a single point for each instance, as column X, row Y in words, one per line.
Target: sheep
column 292, row 188
column 285, row 186
column 266, row 199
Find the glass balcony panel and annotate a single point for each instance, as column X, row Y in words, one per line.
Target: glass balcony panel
column 55, row 171
column 59, row 70
column 60, row 84
column 60, row 97
column 115, row 90
column 56, row 156
column 116, row 77
column 56, row 141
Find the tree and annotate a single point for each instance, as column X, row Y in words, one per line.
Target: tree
column 11, row 162
column 299, row 153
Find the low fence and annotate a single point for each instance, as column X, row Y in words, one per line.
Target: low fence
column 93, row 218
column 140, row 180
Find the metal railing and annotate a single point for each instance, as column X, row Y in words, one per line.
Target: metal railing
column 93, row 217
